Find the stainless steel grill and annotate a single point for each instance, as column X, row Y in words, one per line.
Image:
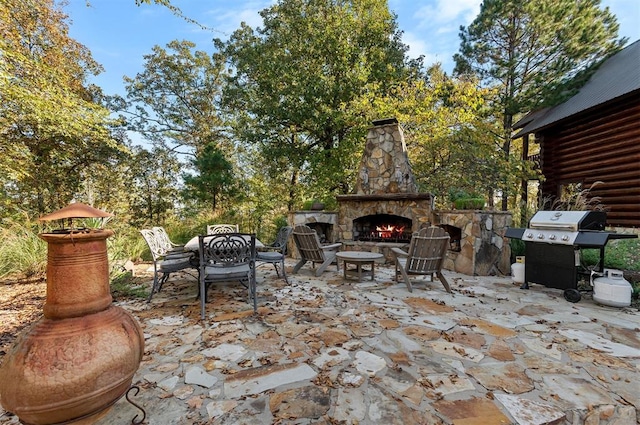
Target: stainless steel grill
column 553, row 242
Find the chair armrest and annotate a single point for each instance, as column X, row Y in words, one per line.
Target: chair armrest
column 399, row 252
column 331, row 247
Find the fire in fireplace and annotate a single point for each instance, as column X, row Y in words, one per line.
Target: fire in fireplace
column 382, row 228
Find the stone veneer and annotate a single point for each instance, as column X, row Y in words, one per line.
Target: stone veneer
column 312, row 218
column 385, row 167
column 484, row 250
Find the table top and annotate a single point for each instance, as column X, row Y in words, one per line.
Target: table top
column 359, row 255
column 193, row 244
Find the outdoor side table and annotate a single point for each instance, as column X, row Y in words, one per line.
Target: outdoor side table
column 358, row 259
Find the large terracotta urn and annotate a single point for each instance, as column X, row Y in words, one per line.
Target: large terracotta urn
column 80, row 358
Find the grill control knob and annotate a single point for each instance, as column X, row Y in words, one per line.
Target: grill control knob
column 530, row 235
column 552, row 237
column 565, row 238
column 540, row 236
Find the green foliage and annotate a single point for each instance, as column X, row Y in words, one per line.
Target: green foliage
column 469, row 203
column 53, row 128
column 153, row 192
column 22, row 252
column 124, row 285
column 298, row 81
column 174, row 102
column 214, row 180
column 623, row 254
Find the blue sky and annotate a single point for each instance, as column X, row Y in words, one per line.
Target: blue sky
column 119, row 33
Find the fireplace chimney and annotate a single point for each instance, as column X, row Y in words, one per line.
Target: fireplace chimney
column 385, row 167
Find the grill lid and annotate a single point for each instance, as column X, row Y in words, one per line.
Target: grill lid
column 571, row 221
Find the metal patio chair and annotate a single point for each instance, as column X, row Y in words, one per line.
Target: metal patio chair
column 164, row 262
column 227, row 257
column 310, row 249
column 163, row 238
column 214, row 229
column 427, row 251
column 275, row 252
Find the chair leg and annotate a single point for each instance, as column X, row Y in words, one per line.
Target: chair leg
column 406, row 279
column 203, row 298
column 444, row 281
column 324, row 266
column 284, row 273
column 297, row 267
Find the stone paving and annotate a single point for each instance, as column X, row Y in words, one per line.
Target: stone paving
column 328, row 351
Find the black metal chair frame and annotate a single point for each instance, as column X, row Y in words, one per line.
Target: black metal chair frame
column 226, row 257
column 275, row 252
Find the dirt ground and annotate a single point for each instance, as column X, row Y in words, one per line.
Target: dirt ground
column 20, row 305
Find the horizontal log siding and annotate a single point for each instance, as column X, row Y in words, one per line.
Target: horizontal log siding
column 602, row 145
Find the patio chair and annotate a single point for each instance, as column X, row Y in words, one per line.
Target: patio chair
column 310, row 249
column 227, row 257
column 275, row 252
column 427, row 251
column 214, row 229
column 166, row 242
column 164, row 263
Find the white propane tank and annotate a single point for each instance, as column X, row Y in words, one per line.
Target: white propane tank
column 517, row 270
column 612, row 289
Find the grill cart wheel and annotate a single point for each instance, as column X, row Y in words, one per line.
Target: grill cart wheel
column 572, row 295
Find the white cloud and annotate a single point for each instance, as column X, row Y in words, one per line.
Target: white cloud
column 440, row 12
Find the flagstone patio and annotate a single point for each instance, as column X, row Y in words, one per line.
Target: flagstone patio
column 326, row 351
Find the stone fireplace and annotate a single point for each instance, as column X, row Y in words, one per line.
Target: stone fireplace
column 386, row 207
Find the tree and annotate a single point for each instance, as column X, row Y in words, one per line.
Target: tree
column 297, row 78
column 450, row 139
column 174, row 102
column 153, row 191
column 51, row 126
column 214, row 179
column 536, row 53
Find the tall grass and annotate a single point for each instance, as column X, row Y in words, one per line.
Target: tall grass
column 22, row 253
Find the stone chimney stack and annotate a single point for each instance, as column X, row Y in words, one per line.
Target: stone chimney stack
column 385, row 167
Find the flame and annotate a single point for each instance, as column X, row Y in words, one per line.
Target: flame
column 389, row 231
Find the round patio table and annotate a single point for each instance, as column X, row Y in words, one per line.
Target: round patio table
column 358, row 259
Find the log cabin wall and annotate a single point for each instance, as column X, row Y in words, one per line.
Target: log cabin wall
column 598, row 145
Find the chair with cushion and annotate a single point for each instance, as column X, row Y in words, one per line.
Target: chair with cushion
column 227, row 257
column 427, row 251
column 310, row 249
column 214, row 229
column 164, row 262
column 275, row 252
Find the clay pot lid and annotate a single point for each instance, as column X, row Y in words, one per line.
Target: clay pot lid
column 75, row 210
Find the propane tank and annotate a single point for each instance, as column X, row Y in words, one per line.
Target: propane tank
column 611, row 288
column 517, row 270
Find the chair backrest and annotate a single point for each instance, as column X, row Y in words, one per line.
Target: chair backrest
column 155, row 246
column 427, row 250
column 226, row 250
column 162, row 237
column 214, row 229
column 308, row 243
column 282, row 238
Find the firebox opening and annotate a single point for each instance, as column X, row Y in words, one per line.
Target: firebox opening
column 323, row 230
column 455, row 234
column 382, row 228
